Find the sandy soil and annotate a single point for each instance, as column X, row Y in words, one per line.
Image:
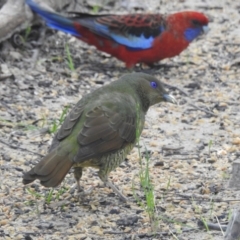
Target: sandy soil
column 192, row 145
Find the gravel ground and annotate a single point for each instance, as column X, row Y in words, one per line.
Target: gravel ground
column 191, row 146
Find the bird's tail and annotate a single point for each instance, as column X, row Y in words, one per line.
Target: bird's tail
column 54, row 20
column 51, row 170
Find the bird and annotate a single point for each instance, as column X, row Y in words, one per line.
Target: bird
column 100, row 130
column 131, row 38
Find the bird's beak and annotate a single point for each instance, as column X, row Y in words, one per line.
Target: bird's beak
column 205, row 29
column 169, row 98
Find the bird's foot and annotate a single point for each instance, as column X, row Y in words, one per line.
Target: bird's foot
column 82, row 194
column 114, row 188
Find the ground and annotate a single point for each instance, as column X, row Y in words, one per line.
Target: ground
column 191, row 145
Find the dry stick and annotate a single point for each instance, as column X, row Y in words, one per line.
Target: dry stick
column 167, row 148
column 5, row 76
column 181, row 159
column 176, row 88
column 230, row 103
column 220, row 225
column 211, row 226
column 115, row 232
column 201, row 109
column 149, row 234
column 203, row 198
column 20, row 148
column 191, row 104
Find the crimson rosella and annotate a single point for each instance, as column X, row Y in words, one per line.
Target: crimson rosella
column 132, row 38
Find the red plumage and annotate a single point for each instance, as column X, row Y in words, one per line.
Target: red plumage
column 132, row 38
column 168, row 44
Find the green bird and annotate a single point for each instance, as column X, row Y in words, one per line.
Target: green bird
column 100, row 130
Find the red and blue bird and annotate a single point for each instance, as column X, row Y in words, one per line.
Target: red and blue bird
column 131, row 38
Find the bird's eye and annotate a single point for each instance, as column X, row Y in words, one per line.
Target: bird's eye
column 196, row 23
column 153, row 84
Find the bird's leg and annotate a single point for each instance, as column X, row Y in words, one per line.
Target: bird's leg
column 114, row 188
column 102, row 175
column 77, row 176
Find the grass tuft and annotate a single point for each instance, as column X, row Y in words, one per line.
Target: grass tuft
column 69, row 58
column 58, row 122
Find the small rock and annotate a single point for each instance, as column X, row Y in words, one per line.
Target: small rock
column 127, row 221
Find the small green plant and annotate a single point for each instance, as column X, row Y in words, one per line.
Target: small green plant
column 95, row 9
column 57, row 59
column 145, row 181
column 34, row 193
column 58, row 122
column 98, row 6
column 167, row 188
column 212, row 204
column 54, row 126
column 23, row 39
column 230, row 213
column 69, row 58
column 148, row 188
column 27, row 33
column 225, row 175
column 202, row 218
column 61, row 191
column 49, row 196
column 204, row 221
column 28, row 127
column 23, row 125
column 210, row 144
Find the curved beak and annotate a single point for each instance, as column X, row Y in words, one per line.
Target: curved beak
column 205, row 29
column 169, row 98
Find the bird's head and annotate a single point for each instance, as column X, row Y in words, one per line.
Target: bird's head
column 190, row 23
column 149, row 89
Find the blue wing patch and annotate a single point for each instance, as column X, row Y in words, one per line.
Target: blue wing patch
column 191, row 33
column 128, row 40
column 54, row 20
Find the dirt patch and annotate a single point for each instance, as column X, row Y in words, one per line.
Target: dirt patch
column 191, row 150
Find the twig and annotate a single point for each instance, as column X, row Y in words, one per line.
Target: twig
column 116, row 232
column 178, row 158
column 201, row 109
column 20, row 148
column 161, row 234
column 166, row 148
column 5, row 76
column 191, row 104
column 176, row 88
column 204, row 198
column 222, row 230
column 211, row 226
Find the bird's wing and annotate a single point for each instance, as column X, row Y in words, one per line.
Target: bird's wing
column 103, row 128
column 136, row 31
column 106, row 130
column 68, row 124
